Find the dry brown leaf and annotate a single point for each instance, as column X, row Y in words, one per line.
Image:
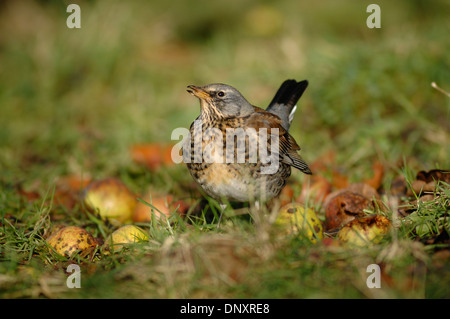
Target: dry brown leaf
column 378, row 173
column 153, row 156
column 399, row 186
column 322, row 163
column 316, row 190
column 434, row 175
column 286, row 195
column 339, row 181
column 73, row 182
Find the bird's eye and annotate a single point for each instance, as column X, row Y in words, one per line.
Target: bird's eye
column 221, row 94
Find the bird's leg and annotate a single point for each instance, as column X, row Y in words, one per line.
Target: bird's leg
column 222, row 209
column 255, row 211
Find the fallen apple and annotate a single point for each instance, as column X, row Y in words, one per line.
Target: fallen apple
column 343, row 207
column 295, row 219
column 364, row 231
column 128, row 234
column 160, row 207
column 111, row 198
column 70, row 239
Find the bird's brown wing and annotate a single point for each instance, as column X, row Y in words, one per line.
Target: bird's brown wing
column 288, row 147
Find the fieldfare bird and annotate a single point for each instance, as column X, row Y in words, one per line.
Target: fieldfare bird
column 240, row 152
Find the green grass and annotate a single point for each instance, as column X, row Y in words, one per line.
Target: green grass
column 73, row 102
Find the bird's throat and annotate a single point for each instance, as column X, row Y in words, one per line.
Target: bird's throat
column 209, row 112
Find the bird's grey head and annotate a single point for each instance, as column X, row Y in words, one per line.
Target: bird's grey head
column 221, row 100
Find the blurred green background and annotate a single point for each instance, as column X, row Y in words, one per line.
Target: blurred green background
column 75, row 100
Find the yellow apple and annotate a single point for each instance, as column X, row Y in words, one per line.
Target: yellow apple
column 364, row 231
column 294, row 218
column 111, row 198
column 127, row 234
column 71, row 238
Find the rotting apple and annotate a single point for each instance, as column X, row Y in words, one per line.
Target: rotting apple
column 364, row 231
column 296, row 219
column 69, row 239
column 158, row 206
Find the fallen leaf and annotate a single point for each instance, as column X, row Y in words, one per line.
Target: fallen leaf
column 65, row 198
column 339, row 181
column 153, row 156
column 410, row 207
column 73, row 182
column 28, row 195
column 322, row 163
column 426, row 182
column 378, row 173
column 420, row 187
column 316, row 188
column 399, row 186
column 286, row 195
column 434, row 175
column 441, row 258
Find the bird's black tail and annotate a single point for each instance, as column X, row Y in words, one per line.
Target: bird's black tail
column 285, row 100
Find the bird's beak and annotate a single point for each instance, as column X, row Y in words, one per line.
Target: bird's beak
column 198, row 92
